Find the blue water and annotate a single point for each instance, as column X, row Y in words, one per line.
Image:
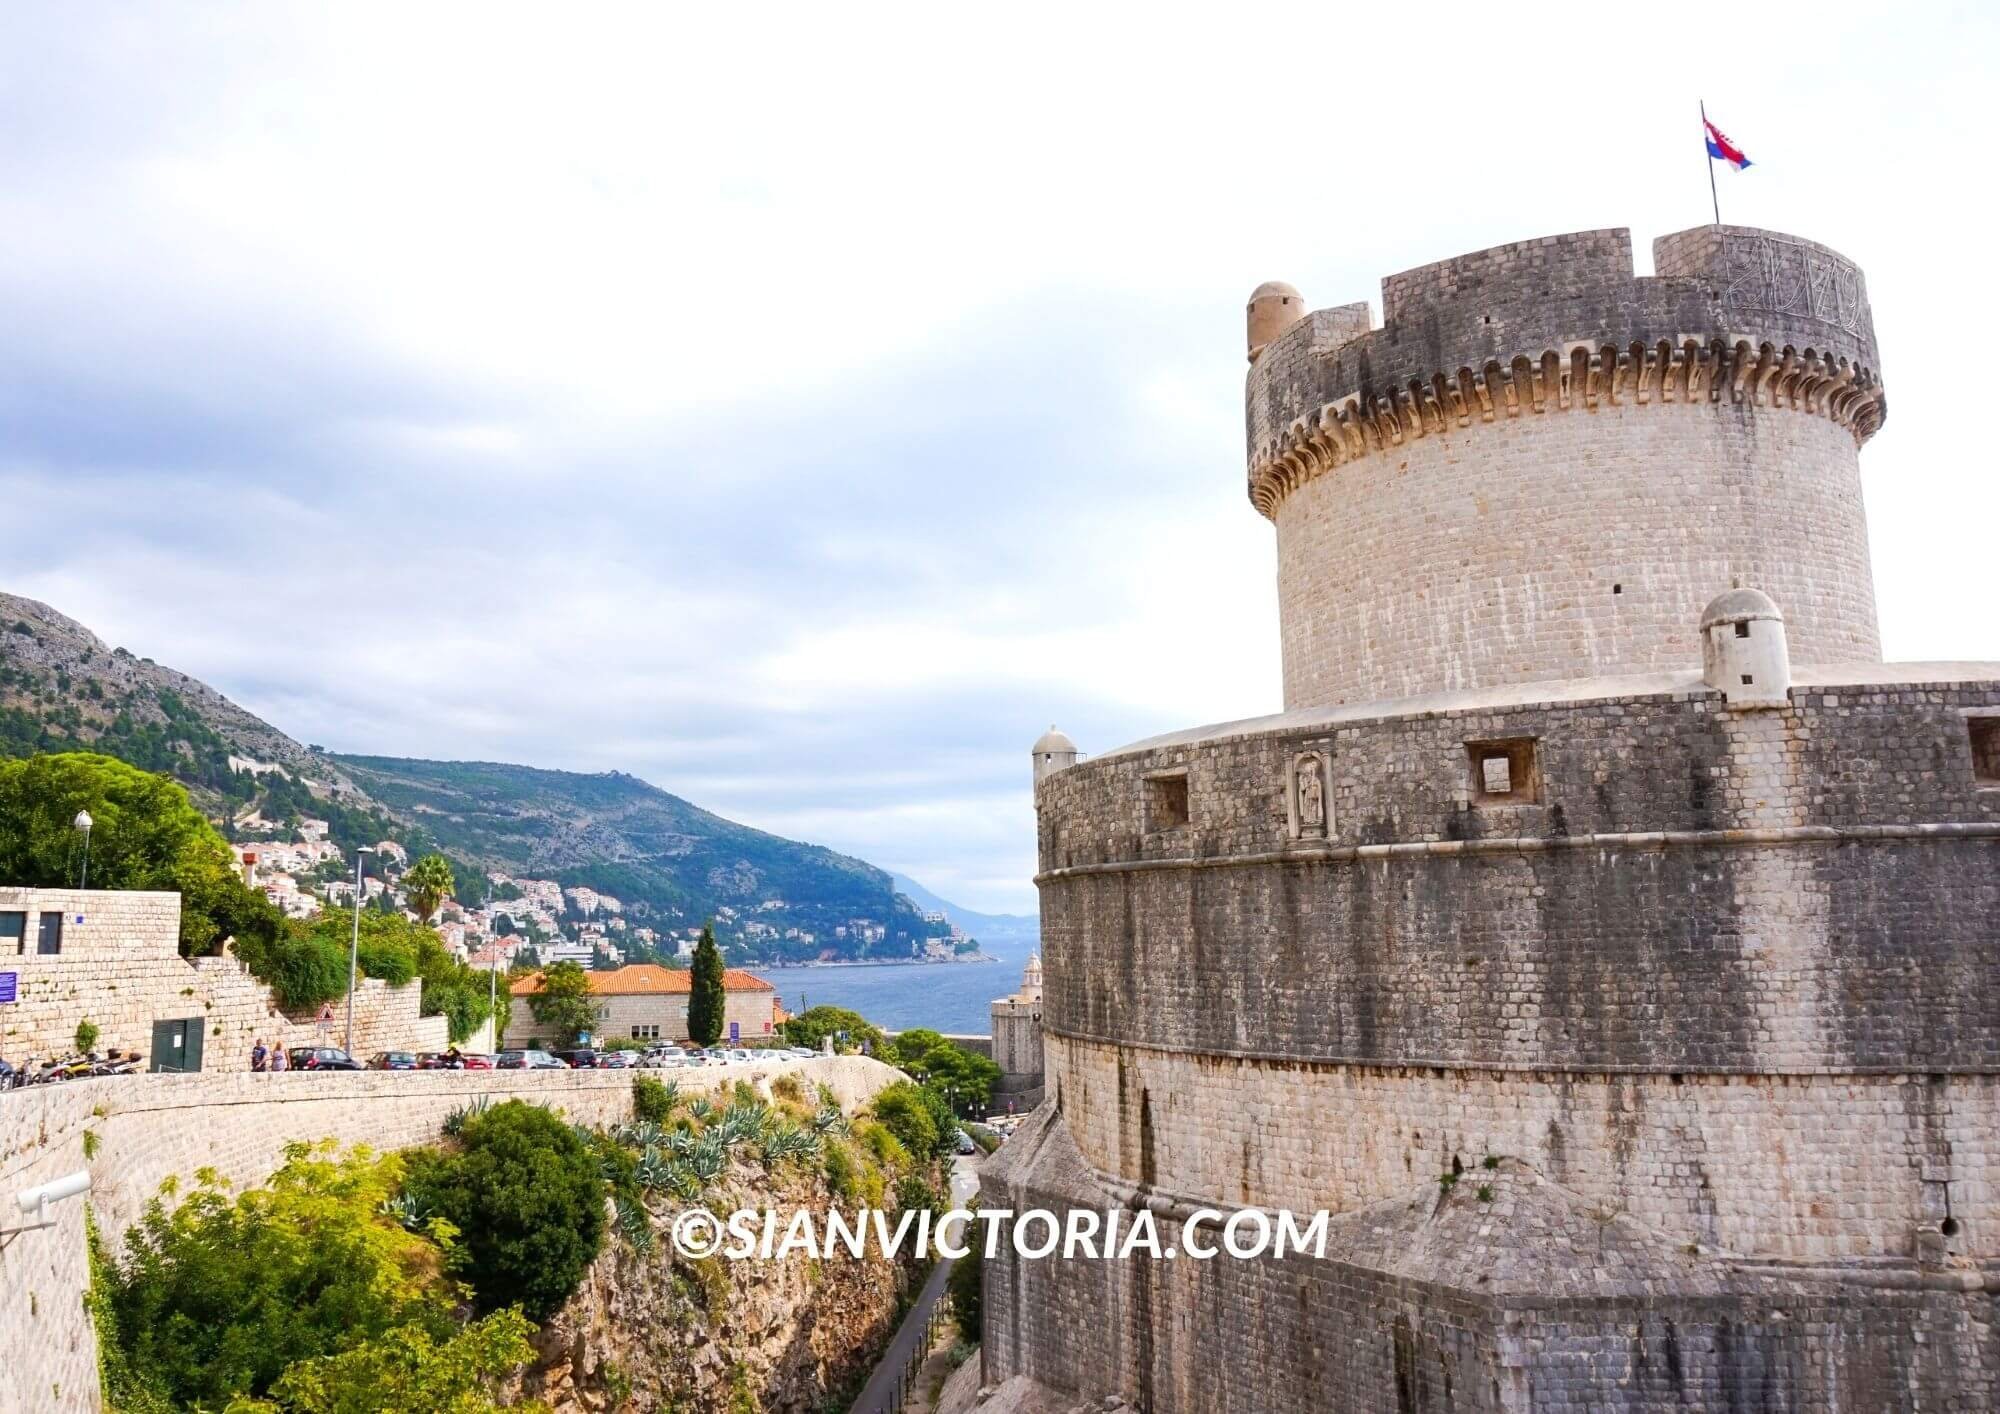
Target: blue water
column 943, row 996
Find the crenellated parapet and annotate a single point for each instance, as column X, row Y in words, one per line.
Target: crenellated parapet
column 1735, row 316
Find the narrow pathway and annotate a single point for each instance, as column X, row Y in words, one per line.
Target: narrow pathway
column 895, row 1374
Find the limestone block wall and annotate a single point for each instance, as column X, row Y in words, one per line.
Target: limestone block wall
column 1406, row 574
column 120, row 967
column 1732, row 973
column 1625, row 917
column 1017, row 1036
column 1441, row 1304
column 1795, row 1168
column 148, row 1128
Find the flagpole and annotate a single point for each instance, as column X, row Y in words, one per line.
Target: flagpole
column 1714, row 200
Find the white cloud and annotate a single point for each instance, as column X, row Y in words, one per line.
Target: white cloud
column 736, row 398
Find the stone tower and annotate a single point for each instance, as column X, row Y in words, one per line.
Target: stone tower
column 1602, row 934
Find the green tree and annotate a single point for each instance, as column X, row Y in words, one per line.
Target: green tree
column 906, row 1111
column 562, row 1003
column 428, row 884
column 409, row 1371
column 220, row 1295
column 706, row 1005
column 850, row 1029
column 145, row 834
column 964, row 1077
column 526, row 1199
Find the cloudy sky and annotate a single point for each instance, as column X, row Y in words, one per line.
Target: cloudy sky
column 802, row 409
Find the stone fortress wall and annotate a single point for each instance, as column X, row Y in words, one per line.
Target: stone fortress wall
column 120, row 967
column 1731, row 970
column 1543, row 466
column 1549, row 879
column 148, row 1128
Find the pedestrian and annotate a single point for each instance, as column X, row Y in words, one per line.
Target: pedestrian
column 259, row 1057
column 280, row 1062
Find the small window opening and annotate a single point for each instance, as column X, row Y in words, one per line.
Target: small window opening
column 1166, row 802
column 1985, row 749
column 1617, row 589
column 50, row 939
column 1504, row 772
column 1743, row 630
column 1949, row 1227
column 1746, row 680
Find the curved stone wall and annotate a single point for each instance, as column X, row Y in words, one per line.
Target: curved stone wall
column 1794, row 1168
column 1411, row 572
column 1801, row 890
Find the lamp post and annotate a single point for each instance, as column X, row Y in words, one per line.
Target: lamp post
column 354, row 948
column 83, row 823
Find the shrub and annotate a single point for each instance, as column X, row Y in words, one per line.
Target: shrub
column 302, row 969
column 86, row 1035
column 219, row 1296
column 905, row 1112
column 813, row 1025
column 653, row 1100
column 841, row 1175
column 408, row 1370
column 964, row 1284
column 527, row 1198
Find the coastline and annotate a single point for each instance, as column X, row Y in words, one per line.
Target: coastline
column 877, row 962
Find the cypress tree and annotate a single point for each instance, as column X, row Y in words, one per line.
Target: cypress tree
column 705, row 1005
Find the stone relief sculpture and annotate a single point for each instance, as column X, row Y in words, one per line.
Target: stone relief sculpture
column 1309, row 813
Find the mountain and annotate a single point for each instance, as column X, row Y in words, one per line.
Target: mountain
column 987, row 927
column 673, row 864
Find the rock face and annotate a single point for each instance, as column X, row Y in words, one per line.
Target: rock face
column 655, row 1330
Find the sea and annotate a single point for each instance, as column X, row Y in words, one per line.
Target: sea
column 945, row 996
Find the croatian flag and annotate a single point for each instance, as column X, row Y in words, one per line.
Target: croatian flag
column 1719, row 145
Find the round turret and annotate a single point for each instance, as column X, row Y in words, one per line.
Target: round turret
column 1052, row 752
column 1743, row 652
column 1437, row 530
column 1274, row 307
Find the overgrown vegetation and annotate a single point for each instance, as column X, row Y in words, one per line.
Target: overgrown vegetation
column 526, row 1199
column 299, row 1296
column 306, row 964
column 964, row 1078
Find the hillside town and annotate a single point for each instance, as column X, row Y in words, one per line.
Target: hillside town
column 498, row 919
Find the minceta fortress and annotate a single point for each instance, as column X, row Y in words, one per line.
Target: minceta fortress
column 1602, row 932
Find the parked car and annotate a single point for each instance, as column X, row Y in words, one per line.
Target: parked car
column 394, row 1060
column 617, row 1060
column 322, row 1058
column 740, row 1055
column 804, row 1052
column 473, row 1060
column 528, row 1060
column 583, row 1059
column 715, row 1055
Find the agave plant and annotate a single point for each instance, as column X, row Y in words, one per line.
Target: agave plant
column 643, row 1134
column 829, row 1120
column 740, row 1123
column 407, row 1210
column 635, row 1226
column 707, row 1158
column 462, row 1115
column 655, row 1170
column 785, row 1142
column 702, row 1108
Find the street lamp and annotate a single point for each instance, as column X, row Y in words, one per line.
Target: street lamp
column 354, row 949
column 83, row 823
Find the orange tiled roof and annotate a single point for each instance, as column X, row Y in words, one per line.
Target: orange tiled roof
column 648, row 979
